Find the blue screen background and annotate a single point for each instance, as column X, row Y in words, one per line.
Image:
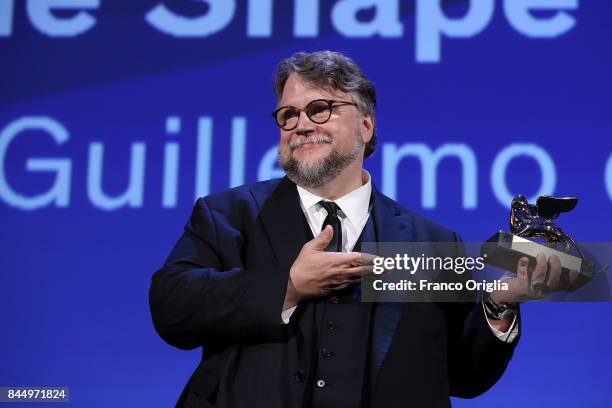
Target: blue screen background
column 74, row 273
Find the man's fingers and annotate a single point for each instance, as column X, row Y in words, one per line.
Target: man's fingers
column 368, row 259
column 538, row 276
column 367, row 270
column 521, row 271
column 554, row 273
column 347, row 276
column 359, row 271
column 354, row 258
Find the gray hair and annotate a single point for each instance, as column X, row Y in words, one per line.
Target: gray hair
column 333, row 71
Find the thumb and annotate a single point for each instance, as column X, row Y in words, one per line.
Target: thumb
column 321, row 241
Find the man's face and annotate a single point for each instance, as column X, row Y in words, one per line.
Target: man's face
column 313, row 154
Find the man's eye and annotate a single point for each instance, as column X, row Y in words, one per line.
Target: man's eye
column 288, row 114
column 318, row 109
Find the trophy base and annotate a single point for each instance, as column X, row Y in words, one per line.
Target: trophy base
column 503, row 250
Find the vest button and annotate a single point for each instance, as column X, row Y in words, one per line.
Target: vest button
column 321, row 383
column 331, row 325
column 300, row 376
column 327, row 353
column 334, row 299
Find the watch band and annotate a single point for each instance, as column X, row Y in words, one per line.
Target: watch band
column 497, row 311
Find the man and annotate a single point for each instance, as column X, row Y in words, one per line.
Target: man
column 266, row 277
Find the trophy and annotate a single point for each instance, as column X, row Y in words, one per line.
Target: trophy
column 504, row 249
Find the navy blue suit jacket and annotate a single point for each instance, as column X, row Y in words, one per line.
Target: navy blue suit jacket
column 223, row 286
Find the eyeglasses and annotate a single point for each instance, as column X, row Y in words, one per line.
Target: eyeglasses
column 319, row 111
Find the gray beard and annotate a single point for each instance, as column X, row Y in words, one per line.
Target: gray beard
column 321, row 172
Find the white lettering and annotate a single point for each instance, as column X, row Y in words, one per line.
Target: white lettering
column 220, row 13
column 306, row 18
column 608, row 176
column 268, row 167
column 59, row 193
column 43, row 19
column 132, row 196
column 503, row 158
column 6, row 17
column 432, row 23
column 171, row 164
column 238, row 151
column 517, row 12
column 259, row 18
column 386, row 22
column 203, row 157
column 392, row 155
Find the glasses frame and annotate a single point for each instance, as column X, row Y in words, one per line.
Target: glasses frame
column 330, row 102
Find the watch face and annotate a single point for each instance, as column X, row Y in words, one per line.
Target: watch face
column 506, row 314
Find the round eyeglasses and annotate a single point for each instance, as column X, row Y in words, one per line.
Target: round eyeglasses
column 319, row 111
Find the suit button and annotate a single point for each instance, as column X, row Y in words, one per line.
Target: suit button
column 334, row 299
column 321, row 383
column 327, row 353
column 331, row 325
column 300, row 376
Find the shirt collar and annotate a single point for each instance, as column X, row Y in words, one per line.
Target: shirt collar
column 354, row 204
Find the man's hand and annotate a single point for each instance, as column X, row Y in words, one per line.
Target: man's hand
column 533, row 283
column 316, row 273
column 537, row 282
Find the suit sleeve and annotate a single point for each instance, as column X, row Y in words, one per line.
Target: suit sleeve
column 477, row 358
column 195, row 301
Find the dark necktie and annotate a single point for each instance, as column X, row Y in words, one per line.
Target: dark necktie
column 332, row 219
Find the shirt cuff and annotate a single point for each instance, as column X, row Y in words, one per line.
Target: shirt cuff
column 286, row 314
column 507, row 337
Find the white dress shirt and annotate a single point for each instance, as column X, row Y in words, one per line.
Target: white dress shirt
column 354, row 213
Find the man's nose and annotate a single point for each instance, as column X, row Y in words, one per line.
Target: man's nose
column 304, row 125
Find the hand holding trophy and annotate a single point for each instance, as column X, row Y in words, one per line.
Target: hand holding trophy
column 557, row 264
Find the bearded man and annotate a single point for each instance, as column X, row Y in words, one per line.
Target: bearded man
column 266, row 276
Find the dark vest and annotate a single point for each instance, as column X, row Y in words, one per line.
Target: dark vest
column 331, row 365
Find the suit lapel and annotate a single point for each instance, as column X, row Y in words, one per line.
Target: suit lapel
column 282, row 219
column 391, row 226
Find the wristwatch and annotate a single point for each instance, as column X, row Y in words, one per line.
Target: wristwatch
column 496, row 311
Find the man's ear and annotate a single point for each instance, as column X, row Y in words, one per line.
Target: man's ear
column 366, row 127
